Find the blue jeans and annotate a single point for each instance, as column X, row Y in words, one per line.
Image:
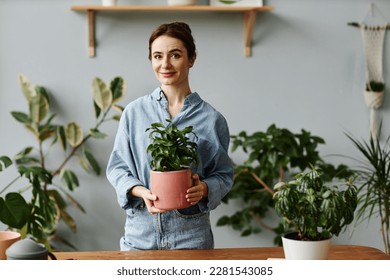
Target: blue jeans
column 177, row 229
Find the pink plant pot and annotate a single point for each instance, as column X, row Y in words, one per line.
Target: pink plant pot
column 7, row 238
column 171, row 188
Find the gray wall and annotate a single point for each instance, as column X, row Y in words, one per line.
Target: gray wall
column 306, row 72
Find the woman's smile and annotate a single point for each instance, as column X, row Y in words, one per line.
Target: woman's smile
column 167, row 74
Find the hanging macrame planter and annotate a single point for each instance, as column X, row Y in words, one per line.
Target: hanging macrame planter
column 373, row 35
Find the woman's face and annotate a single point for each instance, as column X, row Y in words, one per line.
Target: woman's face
column 170, row 61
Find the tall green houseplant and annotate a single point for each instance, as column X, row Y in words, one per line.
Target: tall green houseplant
column 374, row 179
column 48, row 185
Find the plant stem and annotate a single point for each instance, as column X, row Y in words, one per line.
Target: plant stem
column 261, row 182
column 58, row 170
column 41, row 155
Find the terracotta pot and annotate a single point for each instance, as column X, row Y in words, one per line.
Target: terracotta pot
column 7, row 238
column 171, row 188
column 295, row 249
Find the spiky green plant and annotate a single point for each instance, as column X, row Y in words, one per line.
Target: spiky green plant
column 374, row 178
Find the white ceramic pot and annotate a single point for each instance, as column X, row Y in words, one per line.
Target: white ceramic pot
column 109, row 2
column 181, row 2
column 305, row 250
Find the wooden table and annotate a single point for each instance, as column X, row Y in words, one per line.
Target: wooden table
column 337, row 252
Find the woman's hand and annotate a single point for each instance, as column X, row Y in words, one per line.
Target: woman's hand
column 148, row 197
column 198, row 191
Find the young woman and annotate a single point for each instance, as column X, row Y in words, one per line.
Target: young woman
column 172, row 54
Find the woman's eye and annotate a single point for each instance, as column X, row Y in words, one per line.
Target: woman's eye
column 175, row 55
column 157, row 56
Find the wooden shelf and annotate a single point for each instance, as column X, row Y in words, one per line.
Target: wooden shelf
column 249, row 18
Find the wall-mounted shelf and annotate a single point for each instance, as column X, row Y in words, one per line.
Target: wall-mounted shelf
column 249, row 17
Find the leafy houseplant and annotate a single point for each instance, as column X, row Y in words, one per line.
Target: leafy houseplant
column 172, row 152
column 49, row 185
column 272, row 155
column 374, row 180
column 315, row 210
column 170, row 148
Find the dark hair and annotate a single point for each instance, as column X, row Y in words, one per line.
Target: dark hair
column 178, row 30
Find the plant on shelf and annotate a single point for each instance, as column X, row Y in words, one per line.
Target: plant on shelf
column 272, row 155
column 49, row 183
column 315, row 210
column 172, row 154
column 374, row 184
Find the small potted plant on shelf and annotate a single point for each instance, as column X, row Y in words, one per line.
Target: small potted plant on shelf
column 238, row 3
column 181, row 2
column 109, row 3
column 315, row 211
column 172, row 154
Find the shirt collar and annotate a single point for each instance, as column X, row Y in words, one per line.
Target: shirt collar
column 192, row 99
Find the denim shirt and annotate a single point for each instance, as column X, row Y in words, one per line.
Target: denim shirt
column 129, row 164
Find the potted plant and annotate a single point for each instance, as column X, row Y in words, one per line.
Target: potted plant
column 272, row 155
column 375, row 86
column 373, row 177
column 37, row 209
column 254, row 3
column 181, row 2
column 109, row 2
column 374, row 93
column 373, row 97
column 317, row 211
column 172, row 153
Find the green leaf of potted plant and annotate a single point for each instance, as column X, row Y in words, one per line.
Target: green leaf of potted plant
column 315, row 210
column 172, row 153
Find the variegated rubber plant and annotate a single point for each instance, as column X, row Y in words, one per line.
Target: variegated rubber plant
column 49, row 186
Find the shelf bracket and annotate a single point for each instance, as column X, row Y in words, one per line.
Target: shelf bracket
column 248, row 24
column 91, row 33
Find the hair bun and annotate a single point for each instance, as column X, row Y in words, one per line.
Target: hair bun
column 182, row 25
